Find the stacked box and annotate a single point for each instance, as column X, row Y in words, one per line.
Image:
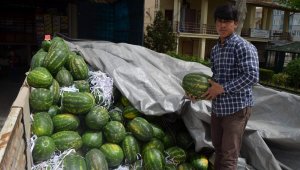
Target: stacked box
column 39, row 28
column 48, row 24
column 64, row 24
column 56, row 24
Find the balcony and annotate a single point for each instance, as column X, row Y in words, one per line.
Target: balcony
column 254, row 34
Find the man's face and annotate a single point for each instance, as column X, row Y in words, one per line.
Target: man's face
column 225, row 27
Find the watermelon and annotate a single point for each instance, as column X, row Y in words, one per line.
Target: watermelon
column 78, row 68
column 70, row 56
column 176, row 155
column 130, row 112
column 200, row 162
column 141, row 129
column 77, row 102
column 158, row 131
column 40, row 99
column 64, row 78
column 185, row 166
column 43, row 149
column 55, row 90
column 113, row 154
column 65, row 121
column 92, row 139
column 95, row 160
column 82, row 85
column 42, row 124
column 115, row 114
column 46, row 45
column 97, row 117
column 153, row 159
column 39, row 77
column 130, row 148
column 125, row 102
column 37, row 60
column 195, row 84
column 154, row 143
column 114, row 132
column 74, row 162
column 59, row 43
column 67, row 139
column 168, row 140
column 54, row 110
column 55, row 60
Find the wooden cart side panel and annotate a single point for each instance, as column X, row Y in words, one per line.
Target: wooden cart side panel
column 11, row 140
column 15, row 134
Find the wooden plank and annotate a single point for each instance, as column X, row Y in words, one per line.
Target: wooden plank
column 23, row 101
column 14, row 148
column 7, row 135
column 13, row 151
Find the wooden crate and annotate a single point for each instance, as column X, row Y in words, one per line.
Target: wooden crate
column 15, row 134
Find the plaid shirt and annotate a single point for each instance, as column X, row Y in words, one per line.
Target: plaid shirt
column 235, row 66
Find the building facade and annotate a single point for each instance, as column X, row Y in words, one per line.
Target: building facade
column 194, row 25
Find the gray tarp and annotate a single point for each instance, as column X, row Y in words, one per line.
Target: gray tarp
column 152, row 83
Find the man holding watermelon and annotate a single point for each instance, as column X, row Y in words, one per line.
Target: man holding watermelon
column 235, row 68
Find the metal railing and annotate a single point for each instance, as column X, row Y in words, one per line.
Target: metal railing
column 197, row 28
column 189, row 27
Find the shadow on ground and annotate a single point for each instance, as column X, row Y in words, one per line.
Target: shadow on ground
column 9, row 89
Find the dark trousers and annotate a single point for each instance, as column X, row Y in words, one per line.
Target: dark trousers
column 226, row 134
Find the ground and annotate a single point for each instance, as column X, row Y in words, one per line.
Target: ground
column 9, row 88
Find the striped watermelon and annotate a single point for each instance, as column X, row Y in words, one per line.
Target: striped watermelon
column 153, row 160
column 55, row 60
column 67, row 139
column 55, row 90
column 141, row 129
column 78, row 68
column 42, row 124
column 176, row 154
column 43, row 149
column 64, row 78
column 40, row 99
column 92, row 139
column 130, row 148
column 114, row 132
column 77, row 102
column 37, row 60
column 195, row 84
column 73, row 162
column 39, row 77
column 95, row 160
column 65, row 121
column 97, row 118
column 113, row 154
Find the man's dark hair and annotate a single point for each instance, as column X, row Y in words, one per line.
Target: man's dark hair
column 226, row 12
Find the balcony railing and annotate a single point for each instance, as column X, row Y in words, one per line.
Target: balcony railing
column 196, row 28
column 189, row 27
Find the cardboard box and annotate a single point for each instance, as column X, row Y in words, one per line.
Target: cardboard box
column 56, row 24
column 15, row 134
column 48, row 24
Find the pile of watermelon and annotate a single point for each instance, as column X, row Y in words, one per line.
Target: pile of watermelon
column 104, row 137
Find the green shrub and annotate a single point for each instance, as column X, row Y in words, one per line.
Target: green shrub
column 265, row 75
column 293, row 70
column 280, row 79
column 189, row 58
column 159, row 35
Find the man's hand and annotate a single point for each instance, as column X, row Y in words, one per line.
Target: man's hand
column 213, row 91
column 191, row 97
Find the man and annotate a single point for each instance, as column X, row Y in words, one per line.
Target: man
column 235, row 70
